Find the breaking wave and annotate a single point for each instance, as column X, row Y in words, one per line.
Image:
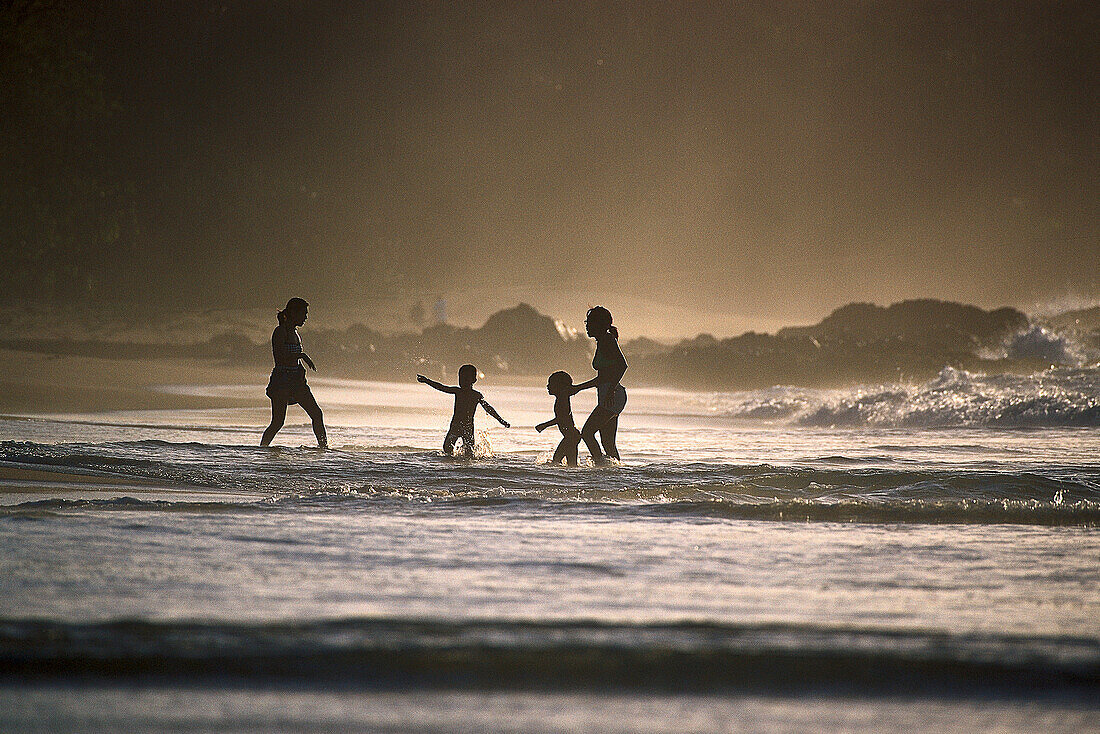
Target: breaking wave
column 1040, row 343
column 1059, row 398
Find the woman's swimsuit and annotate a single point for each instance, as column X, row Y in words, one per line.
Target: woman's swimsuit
column 611, row 396
column 288, row 383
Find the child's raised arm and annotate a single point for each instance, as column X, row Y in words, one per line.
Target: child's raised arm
column 437, row 385
column 490, row 411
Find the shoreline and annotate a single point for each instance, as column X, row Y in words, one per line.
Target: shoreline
column 19, row 484
column 41, row 384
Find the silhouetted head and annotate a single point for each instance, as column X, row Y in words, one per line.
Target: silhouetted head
column 467, row 375
column 295, row 313
column 598, row 322
column 559, row 383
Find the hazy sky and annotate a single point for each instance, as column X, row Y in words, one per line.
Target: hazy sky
column 766, row 160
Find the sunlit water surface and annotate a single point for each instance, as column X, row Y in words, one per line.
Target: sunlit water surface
column 921, row 558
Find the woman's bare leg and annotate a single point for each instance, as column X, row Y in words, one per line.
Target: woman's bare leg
column 313, row 410
column 278, row 415
column 607, row 437
column 596, row 421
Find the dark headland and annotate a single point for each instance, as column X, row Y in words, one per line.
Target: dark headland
column 857, row 343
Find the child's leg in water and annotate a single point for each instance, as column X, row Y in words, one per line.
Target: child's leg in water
column 567, row 449
column 469, row 443
column 449, row 443
column 560, row 452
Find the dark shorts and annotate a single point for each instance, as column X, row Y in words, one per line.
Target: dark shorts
column 611, row 397
column 288, row 386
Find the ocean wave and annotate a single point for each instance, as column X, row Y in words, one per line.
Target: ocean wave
column 954, row 398
column 703, row 505
column 1037, row 342
column 911, row 511
column 509, row 654
column 830, row 489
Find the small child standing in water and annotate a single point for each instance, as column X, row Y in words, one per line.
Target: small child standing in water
column 466, row 401
column 560, row 385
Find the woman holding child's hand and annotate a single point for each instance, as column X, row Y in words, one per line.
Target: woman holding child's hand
column 610, row 366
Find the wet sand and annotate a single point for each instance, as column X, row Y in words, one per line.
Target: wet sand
column 40, row 383
column 19, row 484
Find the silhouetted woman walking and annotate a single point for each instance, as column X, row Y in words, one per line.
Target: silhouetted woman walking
column 288, row 380
column 610, row 366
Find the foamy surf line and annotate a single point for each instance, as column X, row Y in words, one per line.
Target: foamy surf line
column 1055, row 398
column 155, row 475
column 290, row 469
column 491, row 655
column 1079, row 514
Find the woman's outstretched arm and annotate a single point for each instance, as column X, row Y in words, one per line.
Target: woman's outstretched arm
column 587, row 384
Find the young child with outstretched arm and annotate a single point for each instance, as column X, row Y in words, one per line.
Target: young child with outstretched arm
column 466, row 401
column 560, row 385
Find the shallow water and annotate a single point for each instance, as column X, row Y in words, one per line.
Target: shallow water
column 740, row 569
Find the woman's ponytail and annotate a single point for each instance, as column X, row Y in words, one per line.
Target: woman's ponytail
column 281, row 316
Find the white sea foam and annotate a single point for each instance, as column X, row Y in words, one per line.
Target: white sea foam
column 1039, row 342
column 1061, row 397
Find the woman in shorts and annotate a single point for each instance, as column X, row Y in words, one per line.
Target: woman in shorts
column 288, row 380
